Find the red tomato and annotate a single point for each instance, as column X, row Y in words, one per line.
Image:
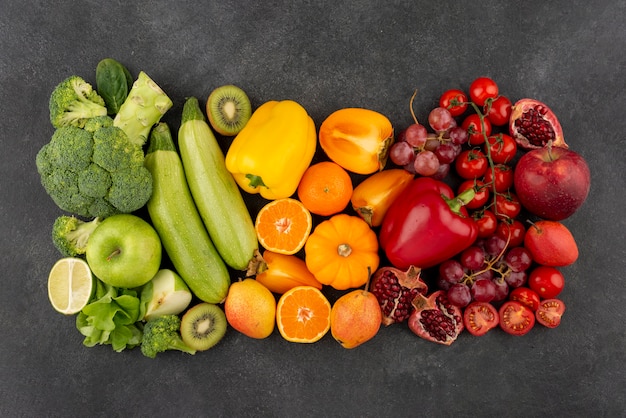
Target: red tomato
column 502, row 148
column 476, row 129
column 507, row 205
column 499, row 112
column 455, row 101
column 481, row 89
column 547, row 281
column 480, row 317
column 504, row 177
column 486, row 222
column 471, row 164
column 481, row 193
column 550, row 312
column 516, row 318
column 525, row 296
column 512, row 230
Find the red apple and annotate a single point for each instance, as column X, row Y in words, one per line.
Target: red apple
column 552, row 182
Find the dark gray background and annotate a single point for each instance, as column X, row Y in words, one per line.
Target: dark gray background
column 326, row 55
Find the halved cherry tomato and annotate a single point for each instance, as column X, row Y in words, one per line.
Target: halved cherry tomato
column 511, row 230
column 550, row 312
column 499, row 111
column 502, row 148
column 547, row 281
column 526, row 296
column 471, row 164
column 486, row 221
column 481, row 89
column 516, row 318
column 455, row 101
column 481, row 193
column 502, row 177
column 507, row 205
column 476, row 130
column 480, row 317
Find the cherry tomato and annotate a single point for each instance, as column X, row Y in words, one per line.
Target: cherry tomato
column 502, row 148
column 548, row 282
column 526, row 296
column 512, row 230
column 455, row 101
column 507, row 205
column 481, row 193
column 476, row 130
column 503, row 179
column 499, row 112
column 550, row 312
column 516, row 318
column 487, row 223
column 481, row 89
column 480, row 317
column 471, row 164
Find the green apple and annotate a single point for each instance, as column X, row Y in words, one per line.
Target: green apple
column 165, row 294
column 124, row 251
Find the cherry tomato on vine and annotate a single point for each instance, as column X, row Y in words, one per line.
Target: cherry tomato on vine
column 499, row 111
column 481, row 89
column 548, row 282
column 503, row 179
column 507, row 205
column 471, row 164
column 526, row 296
column 455, row 101
column 481, row 193
column 480, row 317
column 550, row 312
column 487, row 223
column 516, row 318
column 511, row 230
column 502, row 148
column 476, row 130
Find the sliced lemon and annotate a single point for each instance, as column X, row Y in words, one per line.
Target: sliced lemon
column 70, row 285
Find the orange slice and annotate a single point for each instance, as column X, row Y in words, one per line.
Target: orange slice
column 283, row 226
column 303, row 314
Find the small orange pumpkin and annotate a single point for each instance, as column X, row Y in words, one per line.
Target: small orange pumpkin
column 342, row 252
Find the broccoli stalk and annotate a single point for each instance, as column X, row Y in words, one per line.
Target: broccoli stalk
column 70, row 235
column 143, row 108
column 73, row 102
column 161, row 334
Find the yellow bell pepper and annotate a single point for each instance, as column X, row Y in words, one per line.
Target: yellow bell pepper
column 271, row 153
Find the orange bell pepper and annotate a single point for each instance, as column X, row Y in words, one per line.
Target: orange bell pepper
column 281, row 272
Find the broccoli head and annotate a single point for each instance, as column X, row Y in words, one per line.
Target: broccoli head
column 70, row 234
column 73, row 102
column 161, row 334
column 94, row 171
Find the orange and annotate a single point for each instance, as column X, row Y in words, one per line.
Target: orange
column 283, row 226
column 303, row 314
column 325, row 188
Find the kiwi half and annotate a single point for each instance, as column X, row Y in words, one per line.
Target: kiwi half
column 203, row 326
column 228, row 109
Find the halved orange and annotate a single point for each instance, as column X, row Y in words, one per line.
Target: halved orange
column 303, row 314
column 283, row 226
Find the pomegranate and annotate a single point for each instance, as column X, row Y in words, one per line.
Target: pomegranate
column 533, row 125
column 436, row 319
column 395, row 290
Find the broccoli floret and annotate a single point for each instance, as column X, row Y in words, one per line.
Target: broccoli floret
column 161, row 334
column 70, row 234
column 94, row 171
column 73, row 102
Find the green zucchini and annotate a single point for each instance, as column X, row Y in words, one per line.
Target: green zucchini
column 214, row 190
column 176, row 219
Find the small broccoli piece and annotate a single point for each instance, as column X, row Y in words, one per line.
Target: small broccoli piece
column 73, row 102
column 70, row 234
column 161, row 334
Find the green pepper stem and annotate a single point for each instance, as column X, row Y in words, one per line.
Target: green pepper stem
column 255, row 181
column 459, row 201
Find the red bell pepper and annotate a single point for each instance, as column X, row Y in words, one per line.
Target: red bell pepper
column 427, row 225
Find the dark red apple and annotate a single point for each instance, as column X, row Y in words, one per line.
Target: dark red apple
column 552, row 182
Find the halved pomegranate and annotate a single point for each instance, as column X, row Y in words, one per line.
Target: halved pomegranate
column 436, row 319
column 395, row 290
column 533, row 125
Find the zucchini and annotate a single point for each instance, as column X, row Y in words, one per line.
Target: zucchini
column 176, row 219
column 214, row 190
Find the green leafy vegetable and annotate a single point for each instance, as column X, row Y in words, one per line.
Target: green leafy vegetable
column 113, row 82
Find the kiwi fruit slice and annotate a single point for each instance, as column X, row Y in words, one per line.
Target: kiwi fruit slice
column 228, row 109
column 203, row 326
